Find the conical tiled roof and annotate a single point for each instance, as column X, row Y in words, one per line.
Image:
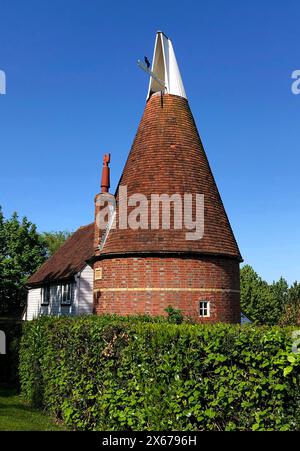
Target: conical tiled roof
column 167, row 157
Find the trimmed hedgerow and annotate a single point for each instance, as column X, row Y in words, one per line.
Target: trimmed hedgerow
column 112, row 373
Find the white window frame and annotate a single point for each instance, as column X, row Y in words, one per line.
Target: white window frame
column 204, row 309
column 68, row 288
column 46, row 303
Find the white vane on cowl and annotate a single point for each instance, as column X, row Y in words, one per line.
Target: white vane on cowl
column 164, row 73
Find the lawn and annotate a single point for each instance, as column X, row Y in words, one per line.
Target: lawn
column 15, row 415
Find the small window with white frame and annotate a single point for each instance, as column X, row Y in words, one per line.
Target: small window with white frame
column 67, row 293
column 204, row 309
column 46, row 292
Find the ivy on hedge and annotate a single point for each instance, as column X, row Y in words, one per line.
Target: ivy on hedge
column 112, row 373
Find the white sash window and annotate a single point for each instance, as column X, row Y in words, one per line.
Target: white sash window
column 204, row 309
column 67, row 293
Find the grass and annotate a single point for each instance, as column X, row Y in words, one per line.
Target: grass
column 16, row 415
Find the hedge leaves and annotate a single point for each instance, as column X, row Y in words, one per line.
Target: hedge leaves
column 112, row 373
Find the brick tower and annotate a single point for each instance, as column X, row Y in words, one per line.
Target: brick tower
column 145, row 269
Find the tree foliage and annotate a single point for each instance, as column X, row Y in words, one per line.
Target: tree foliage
column 263, row 303
column 21, row 253
column 270, row 304
column 291, row 314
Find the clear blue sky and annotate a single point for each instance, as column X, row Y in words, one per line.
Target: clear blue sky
column 74, row 92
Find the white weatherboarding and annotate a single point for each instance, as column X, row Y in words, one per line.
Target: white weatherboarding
column 82, row 302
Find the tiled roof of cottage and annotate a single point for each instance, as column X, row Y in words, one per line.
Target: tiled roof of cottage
column 69, row 259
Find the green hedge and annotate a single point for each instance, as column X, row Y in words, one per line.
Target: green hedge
column 111, row 373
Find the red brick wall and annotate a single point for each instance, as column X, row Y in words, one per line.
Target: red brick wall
column 183, row 283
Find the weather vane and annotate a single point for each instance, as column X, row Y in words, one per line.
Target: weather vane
column 146, row 67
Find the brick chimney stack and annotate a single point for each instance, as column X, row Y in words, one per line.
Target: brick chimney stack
column 105, row 181
column 101, row 201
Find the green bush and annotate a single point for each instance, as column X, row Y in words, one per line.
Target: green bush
column 112, row 373
column 175, row 316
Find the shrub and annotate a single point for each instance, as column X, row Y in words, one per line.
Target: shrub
column 112, row 373
column 175, row 316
